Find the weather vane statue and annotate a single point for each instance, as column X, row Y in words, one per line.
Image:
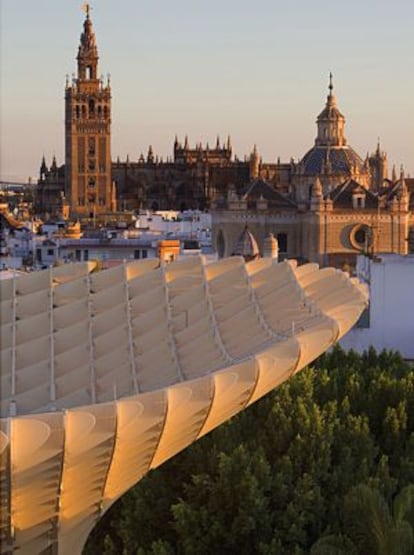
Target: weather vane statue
column 86, row 7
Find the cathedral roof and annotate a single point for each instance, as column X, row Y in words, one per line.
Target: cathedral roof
column 336, row 160
column 260, row 189
column 342, row 195
column 246, row 245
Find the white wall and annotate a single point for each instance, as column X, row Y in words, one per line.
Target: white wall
column 391, row 306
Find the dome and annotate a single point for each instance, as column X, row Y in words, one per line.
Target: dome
column 246, row 245
column 339, row 160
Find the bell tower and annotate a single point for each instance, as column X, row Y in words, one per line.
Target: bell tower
column 88, row 132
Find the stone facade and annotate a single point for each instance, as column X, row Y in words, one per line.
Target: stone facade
column 331, row 230
column 327, row 207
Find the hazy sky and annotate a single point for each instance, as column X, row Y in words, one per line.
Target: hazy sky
column 257, row 70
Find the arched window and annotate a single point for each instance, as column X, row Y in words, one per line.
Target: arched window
column 91, row 107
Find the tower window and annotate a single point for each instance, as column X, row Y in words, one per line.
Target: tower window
column 91, row 107
column 91, row 183
column 91, row 146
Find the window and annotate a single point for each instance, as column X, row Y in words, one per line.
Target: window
column 221, row 245
column 144, row 254
column 91, row 146
column 282, row 242
column 78, row 255
column 137, row 254
column 50, row 252
column 360, row 237
column 86, row 254
column 91, row 107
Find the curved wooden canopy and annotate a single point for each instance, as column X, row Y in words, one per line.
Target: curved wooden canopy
column 106, row 375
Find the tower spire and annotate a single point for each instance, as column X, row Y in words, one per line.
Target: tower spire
column 88, row 51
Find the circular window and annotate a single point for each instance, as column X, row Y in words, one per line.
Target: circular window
column 360, row 237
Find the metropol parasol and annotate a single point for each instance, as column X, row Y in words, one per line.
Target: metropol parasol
column 105, row 375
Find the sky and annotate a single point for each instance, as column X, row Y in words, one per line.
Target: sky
column 255, row 70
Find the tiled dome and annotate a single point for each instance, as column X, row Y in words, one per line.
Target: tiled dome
column 340, row 160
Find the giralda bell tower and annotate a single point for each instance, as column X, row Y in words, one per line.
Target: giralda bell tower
column 88, row 132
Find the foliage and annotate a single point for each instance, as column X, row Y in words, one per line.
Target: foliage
column 287, row 473
column 369, row 525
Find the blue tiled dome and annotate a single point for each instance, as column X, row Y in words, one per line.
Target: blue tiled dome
column 341, row 160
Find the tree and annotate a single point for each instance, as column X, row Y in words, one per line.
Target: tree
column 280, row 476
column 371, row 526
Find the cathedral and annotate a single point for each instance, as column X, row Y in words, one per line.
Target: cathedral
column 327, row 207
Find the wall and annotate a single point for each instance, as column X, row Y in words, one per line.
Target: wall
column 391, row 323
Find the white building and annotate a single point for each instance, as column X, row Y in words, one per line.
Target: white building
column 389, row 321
